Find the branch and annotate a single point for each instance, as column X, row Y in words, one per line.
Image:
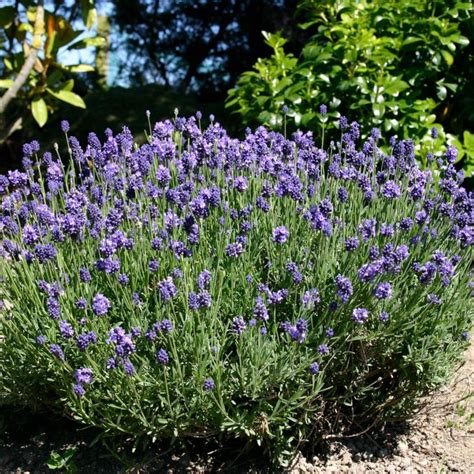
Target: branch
column 30, row 59
column 10, row 131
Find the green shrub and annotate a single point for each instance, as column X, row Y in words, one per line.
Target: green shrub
column 203, row 286
column 401, row 65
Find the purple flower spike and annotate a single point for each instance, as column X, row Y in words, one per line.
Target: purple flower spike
column 314, row 368
column 280, row 235
column 162, row 357
column 100, row 305
column 360, row 315
column 208, row 384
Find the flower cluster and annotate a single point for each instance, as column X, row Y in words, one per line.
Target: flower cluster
column 196, row 263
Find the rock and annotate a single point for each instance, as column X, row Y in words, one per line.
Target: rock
column 405, row 462
column 402, row 447
column 451, row 465
column 346, row 459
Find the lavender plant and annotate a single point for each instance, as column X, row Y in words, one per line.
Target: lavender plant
column 200, row 286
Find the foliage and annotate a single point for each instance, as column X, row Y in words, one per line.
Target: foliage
column 401, row 64
column 49, row 81
column 62, row 461
column 198, row 47
column 201, row 286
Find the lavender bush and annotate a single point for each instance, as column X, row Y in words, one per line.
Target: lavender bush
column 200, row 285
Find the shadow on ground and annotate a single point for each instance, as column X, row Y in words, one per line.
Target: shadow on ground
column 28, row 441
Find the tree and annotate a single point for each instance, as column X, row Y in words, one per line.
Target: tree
column 199, row 46
column 32, row 34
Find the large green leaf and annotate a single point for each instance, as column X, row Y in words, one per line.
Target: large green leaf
column 5, row 83
column 89, row 13
column 40, row 111
column 469, row 141
column 81, row 68
column 69, row 97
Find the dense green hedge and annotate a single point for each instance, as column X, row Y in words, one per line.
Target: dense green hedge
column 402, row 65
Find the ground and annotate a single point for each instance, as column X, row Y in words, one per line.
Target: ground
column 439, row 439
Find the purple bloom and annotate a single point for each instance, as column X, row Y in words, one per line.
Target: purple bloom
column 391, row 190
column 208, row 384
column 54, row 310
column 166, row 325
column 79, row 390
column 193, row 301
column 260, row 310
column 433, row 299
column 128, row 368
column 162, row 357
column 329, row 332
column 369, row 271
column 310, row 298
column 123, row 279
column 314, row 368
column 30, row 235
column 360, row 315
column 367, row 228
column 85, row 275
column 84, row 340
column 84, row 376
column 112, row 363
column 136, row 299
column 66, row 330
column 276, row 297
column 238, row 325
column 451, row 154
column 65, row 126
column 81, row 303
column 351, row 243
column 204, row 279
column 323, row 349
column 387, row 230
column 205, row 300
column 41, row 340
column 384, row 316
column 163, row 176
column 167, row 289
column 383, row 291
column 45, row 252
column 153, row 265
column 176, row 273
column 298, row 331
column 280, row 235
column 240, row 183
column 234, row 250
column 344, row 288
column 342, row 194
column 56, row 350
column 100, row 305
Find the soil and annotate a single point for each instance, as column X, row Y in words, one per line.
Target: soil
column 439, row 439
